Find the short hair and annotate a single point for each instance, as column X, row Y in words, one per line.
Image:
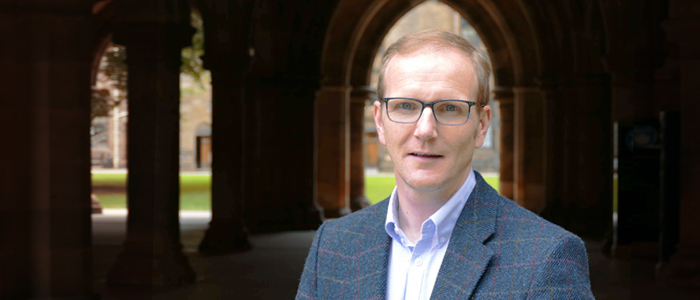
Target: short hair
column 435, row 40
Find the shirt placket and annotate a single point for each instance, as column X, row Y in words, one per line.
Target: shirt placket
column 420, row 259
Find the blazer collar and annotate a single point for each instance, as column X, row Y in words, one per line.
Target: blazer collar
column 376, row 238
column 467, row 257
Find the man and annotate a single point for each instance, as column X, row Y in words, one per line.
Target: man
column 444, row 233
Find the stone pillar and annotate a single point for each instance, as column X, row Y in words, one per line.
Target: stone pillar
column 580, row 144
column 505, row 98
column 684, row 17
column 226, row 26
column 45, row 242
column 358, row 99
column 152, row 253
column 227, row 231
column 625, row 69
column 279, row 153
column 529, row 148
column 333, row 150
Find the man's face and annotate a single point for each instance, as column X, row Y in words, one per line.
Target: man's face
column 428, row 156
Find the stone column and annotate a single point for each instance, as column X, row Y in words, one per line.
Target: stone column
column 45, row 243
column 333, row 150
column 579, row 151
column 505, row 98
column 358, row 99
column 226, row 26
column 529, row 148
column 625, row 92
column 279, row 153
column 684, row 18
column 152, row 253
column 227, row 231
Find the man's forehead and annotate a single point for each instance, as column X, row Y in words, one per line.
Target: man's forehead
column 430, row 78
column 430, row 57
column 430, row 61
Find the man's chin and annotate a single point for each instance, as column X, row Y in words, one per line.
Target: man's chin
column 424, row 184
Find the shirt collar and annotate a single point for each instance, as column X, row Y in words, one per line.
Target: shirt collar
column 444, row 219
column 392, row 220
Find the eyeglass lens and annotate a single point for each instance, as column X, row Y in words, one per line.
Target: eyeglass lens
column 446, row 112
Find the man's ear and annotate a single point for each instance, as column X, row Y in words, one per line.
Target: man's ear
column 483, row 126
column 378, row 121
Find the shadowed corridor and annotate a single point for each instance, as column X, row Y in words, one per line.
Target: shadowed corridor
column 272, row 270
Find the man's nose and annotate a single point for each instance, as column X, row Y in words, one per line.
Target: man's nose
column 426, row 126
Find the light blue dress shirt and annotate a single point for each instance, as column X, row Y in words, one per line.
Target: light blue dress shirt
column 413, row 268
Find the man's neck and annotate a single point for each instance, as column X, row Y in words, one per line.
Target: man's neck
column 413, row 211
column 414, row 207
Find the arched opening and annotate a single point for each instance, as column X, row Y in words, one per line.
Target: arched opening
column 108, row 111
column 108, row 138
column 142, row 154
column 347, row 64
column 378, row 165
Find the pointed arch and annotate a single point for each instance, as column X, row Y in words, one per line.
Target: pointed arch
column 357, row 29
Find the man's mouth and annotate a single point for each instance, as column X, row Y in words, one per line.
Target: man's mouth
column 426, row 155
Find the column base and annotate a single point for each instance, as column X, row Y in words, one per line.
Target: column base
column 621, row 252
column 95, row 203
column 359, row 202
column 683, row 270
column 336, row 213
column 314, row 218
column 145, row 268
column 225, row 238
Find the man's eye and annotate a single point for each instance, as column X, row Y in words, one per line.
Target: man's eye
column 405, row 105
column 450, row 108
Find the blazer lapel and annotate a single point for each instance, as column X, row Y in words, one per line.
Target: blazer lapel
column 374, row 254
column 467, row 257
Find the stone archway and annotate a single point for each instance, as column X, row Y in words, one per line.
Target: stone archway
column 346, row 64
column 103, row 12
column 547, row 68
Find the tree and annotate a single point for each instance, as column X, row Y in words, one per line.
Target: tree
column 192, row 64
column 111, row 77
column 111, row 89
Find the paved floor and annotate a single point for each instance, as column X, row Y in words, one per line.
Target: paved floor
column 272, row 269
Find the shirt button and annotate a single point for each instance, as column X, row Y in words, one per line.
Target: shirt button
column 442, row 239
column 419, row 262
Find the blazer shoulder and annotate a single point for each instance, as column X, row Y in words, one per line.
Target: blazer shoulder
column 373, row 217
column 559, row 257
column 529, row 224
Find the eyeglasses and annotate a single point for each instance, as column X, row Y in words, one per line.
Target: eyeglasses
column 446, row 112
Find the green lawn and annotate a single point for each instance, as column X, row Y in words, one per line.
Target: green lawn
column 195, row 190
column 108, row 179
column 378, row 188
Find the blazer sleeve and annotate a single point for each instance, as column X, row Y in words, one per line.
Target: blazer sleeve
column 562, row 273
column 307, row 284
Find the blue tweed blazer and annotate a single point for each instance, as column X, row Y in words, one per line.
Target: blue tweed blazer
column 498, row 250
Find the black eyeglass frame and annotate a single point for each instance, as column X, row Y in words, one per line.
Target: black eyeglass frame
column 428, row 104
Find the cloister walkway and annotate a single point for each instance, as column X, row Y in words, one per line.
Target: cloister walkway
column 272, row 269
